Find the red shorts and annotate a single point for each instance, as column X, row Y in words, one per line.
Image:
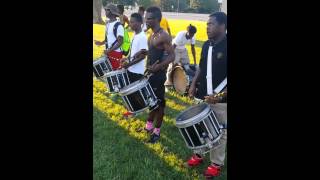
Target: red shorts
column 114, row 58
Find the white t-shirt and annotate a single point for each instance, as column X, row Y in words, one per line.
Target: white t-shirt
column 139, row 41
column 180, row 40
column 110, row 36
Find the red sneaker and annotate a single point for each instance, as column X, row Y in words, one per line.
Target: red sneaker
column 194, row 160
column 212, row 171
column 128, row 113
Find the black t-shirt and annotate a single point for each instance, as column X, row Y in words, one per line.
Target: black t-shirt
column 219, row 66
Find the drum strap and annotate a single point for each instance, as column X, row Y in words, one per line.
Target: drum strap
column 221, row 86
column 130, row 58
column 209, row 71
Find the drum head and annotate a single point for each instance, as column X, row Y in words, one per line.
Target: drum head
column 133, row 87
column 179, row 79
column 192, row 115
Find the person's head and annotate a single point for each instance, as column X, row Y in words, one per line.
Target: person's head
column 216, row 25
column 111, row 10
column 120, row 8
column 135, row 21
column 191, row 30
column 153, row 16
column 141, row 11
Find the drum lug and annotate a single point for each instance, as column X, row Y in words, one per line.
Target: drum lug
column 210, row 136
column 116, row 88
column 151, row 101
column 223, row 126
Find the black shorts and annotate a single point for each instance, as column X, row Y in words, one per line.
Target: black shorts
column 157, row 83
column 134, row 76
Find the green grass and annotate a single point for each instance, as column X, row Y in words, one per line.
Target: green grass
column 122, row 153
column 119, row 152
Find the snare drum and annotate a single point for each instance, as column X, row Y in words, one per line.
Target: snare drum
column 199, row 127
column 101, row 66
column 139, row 96
column 116, row 80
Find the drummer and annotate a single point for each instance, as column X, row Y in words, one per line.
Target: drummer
column 214, row 52
column 112, row 41
column 181, row 53
column 159, row 44
column 138, row 51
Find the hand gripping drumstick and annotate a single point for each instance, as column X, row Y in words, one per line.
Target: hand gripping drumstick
column 147, row 73
column 217, row 90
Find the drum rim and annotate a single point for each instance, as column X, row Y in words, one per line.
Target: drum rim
column 133, row 87
column 116, row 72
column 102, row 58
column 195, row 119
column 140, row 110
column 207, row 144
column 103, row 78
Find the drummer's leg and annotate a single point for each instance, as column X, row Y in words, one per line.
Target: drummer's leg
column 184, row 59
column 149, row 123
column 160, row 114
column 153, row 80
column 217, row 155
column 160, row 93
column 177, row 56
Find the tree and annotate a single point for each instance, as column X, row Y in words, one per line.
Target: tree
column 123, row 2
column 166, row 5
column 145, row 3
column 204, row 6
column 208, row 6
column 194, row 4
column 97, row 7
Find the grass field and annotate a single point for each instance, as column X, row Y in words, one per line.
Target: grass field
column 119, row 152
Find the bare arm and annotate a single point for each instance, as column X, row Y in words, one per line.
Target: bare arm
column 137, row 58
column 193, row 54
column 99, row 43
column 169, row 31
column 196, row 77
column 169, row 49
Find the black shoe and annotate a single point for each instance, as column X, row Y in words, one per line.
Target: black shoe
column 154, row 138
